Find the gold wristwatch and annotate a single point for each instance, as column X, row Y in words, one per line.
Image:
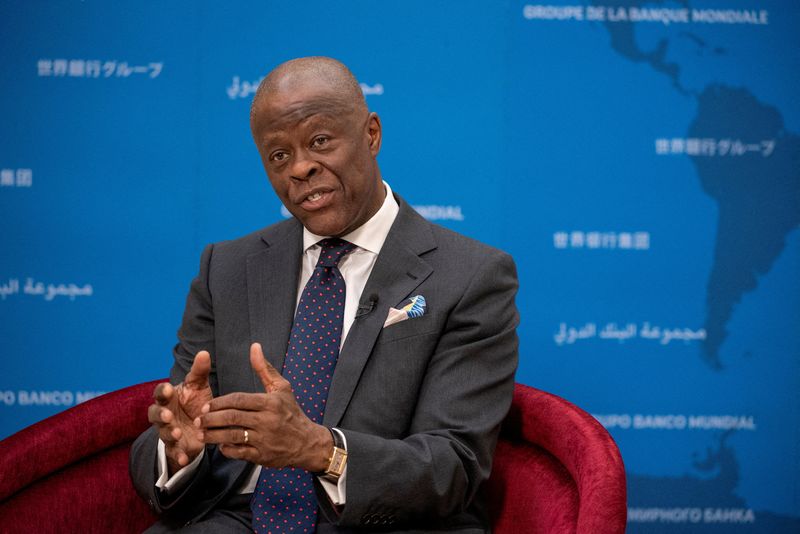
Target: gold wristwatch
column 338, row 459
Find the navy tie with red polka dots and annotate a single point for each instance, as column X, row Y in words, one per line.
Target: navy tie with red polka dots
column 284, row 499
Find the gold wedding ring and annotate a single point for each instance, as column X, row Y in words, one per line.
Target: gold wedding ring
column 246, row 437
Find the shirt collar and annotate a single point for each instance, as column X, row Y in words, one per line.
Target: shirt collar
column 370, row 235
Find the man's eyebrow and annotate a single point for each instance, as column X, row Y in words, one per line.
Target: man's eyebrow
column 275, row 131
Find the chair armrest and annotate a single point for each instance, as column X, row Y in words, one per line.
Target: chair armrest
column 67, row 437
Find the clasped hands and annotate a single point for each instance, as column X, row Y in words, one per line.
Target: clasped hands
column 187, row 418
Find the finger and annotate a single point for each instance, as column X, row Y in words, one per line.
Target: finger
column 163, row 393
column 166, row 436
column 201, row 367
column 183, row 459
column 236, row 401
column 170, row 435
column 159, row 415
column 227, row 418
column 228, row 436
column 269, row 376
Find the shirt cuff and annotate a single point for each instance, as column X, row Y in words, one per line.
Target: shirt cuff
column 336, row 492
column 181, row 477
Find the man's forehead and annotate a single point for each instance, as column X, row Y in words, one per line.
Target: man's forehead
column 280, row 113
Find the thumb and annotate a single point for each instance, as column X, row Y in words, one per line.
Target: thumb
column 269, row 376
column 201, row 367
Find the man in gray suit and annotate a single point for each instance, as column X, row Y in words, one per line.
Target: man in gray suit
column 427, row 347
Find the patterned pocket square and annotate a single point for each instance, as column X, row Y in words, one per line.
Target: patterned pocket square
column 413, row 307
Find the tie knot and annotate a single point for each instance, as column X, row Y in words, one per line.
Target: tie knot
column 333, row 249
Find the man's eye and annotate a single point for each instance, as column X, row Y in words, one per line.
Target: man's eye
column 278, row 156
column 319, row 141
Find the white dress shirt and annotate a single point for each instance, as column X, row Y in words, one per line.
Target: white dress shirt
column 355, row 267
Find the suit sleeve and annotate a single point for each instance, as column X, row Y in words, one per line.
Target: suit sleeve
column 196, row 334
column 197, row 328
column 436, row 471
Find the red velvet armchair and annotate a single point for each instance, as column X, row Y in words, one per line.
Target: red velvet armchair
column 556, row 470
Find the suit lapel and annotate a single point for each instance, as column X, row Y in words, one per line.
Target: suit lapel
column 398, row 271
column 272, row 276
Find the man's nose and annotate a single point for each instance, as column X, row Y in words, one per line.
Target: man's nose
column 304, row 166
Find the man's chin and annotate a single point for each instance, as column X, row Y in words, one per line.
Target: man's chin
column 318, row 224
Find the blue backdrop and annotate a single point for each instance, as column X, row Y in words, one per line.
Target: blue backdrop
column 640, row 160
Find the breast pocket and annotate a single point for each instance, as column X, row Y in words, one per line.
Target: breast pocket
column 415, row 326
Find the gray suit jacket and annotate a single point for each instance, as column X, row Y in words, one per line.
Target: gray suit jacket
column 420, row 401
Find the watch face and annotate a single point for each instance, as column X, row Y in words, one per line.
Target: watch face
column 336, row 468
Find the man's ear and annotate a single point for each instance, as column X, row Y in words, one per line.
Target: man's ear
column 374, row 131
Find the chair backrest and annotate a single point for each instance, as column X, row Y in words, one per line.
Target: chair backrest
column 556, row 469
